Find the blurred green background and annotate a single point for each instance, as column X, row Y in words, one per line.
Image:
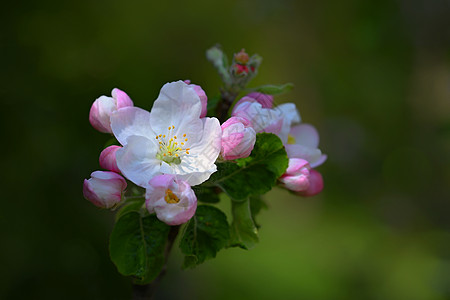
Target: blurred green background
column 373, row 77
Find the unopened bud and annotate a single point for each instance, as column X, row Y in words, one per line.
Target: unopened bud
column 241, row 57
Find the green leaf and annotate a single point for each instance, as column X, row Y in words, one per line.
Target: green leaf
column 205, row 234
column 256, row 204
column 271, row 89
column 137, row 246
column 243, row 230
column 206, row 195
column 134, row 205
column 216, row 56
column 256, row 174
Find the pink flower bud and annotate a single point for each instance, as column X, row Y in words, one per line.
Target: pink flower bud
column 242, row 57
column 104, row 189
column 203, row 98
column 238, row 138
column 315, row 184
column 240, row 69
column 103, row 107
column 173, row 200
column 108, row 158
column 296, row 177
column 265, row 100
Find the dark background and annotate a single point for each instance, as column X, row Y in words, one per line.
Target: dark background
column 372, row 76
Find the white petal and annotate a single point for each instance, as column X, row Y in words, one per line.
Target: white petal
column 290, row 115
column 136, row 160
column 131, row 121
column 312, row 155
column 177, row 105
column 306, row 135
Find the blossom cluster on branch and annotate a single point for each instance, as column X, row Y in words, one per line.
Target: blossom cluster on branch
column 187, row 150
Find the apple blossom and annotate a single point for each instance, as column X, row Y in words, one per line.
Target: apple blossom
column 202, row 95
column 238, row 139
column 104, row 189
column 101, row 109
column 276, row 120
column 173, row 200
column 302, row 142
column 315, row 184
column 171, row 139
column 265, row 100
column 296, row 177
column 107, row 158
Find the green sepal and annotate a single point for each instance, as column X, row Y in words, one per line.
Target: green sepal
column 137, row 246
column 271, row 89
column 256, row 174
column 243, row 231
column 111, row 142
column 205, row 234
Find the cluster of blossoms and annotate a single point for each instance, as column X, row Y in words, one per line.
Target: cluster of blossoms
column 175, row 146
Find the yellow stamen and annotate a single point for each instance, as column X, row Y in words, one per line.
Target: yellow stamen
column 184, row 135
column 171, row 198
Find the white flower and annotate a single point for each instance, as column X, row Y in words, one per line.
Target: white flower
column 276, row 120
column 171, row 139
column 303, row 142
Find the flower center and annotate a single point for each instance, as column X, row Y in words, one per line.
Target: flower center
column 171, row 148
column 171, row 198
column 291, row 140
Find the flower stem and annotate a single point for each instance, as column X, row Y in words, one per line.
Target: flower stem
column 147, row 291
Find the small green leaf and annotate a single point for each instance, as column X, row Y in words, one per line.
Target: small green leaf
column 205, row 234
column 130, row 206
column 206, row 195
column 216, row 56
column 137, row 246
column 256, row 174
column 243, row 230
column 271, row 89
column 256, row 204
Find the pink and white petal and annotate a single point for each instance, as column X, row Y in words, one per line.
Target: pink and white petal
column 306, row 135
column 295, row 165
column 177, row 105
column 296, row 183
column 122, row 99
column 315, row 184
column 131, row 121
column 137, row 160
column 298, row 151
column 319, row 161
column 289, row 112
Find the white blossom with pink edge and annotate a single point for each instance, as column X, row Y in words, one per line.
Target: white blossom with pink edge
column 296, row 177
column 303, row 142
column 171, row 139
column 315, row 184
column 107, row 158
column 104, row 189
column 276, row 120
column 173, row 200
column 202, row 95
column 103, row 107
column 238, row 139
